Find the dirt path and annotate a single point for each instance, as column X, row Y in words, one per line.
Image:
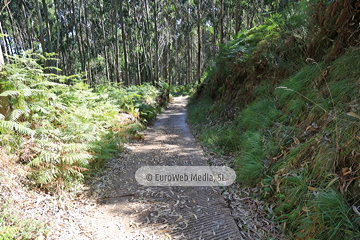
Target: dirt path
column 128, row 210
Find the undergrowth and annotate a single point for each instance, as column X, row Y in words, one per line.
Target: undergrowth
column 290, row 122
column 63, row 131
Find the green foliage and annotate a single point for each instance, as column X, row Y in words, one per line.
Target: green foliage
column 260, row 114
column 198, row 112
column 183, row 90
column 222, row 139
column 343, row 71
column 249, row 163
column 326, row 215
column 293, row 135
column 69, row 129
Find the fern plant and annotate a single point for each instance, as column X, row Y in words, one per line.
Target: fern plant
column 69, row 128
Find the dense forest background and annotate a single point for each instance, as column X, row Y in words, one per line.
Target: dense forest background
column 129, row 41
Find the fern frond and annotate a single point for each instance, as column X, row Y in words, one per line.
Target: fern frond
column 39, row 109
column 11, row 93
column 59, row 106
column 16, row 114
column 45, row 157
column 45, row 144
column 75, row 147
column 45, row 175
column 13, row 126
column 71, row 158
column 27, row 92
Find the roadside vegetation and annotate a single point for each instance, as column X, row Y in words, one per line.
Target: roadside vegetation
column 55, row 131
column 283, row 100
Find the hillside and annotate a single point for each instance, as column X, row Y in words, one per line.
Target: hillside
column 283, row 100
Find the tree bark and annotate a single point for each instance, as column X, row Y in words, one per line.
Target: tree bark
column 41, row 28
column 199, row 43
column 214, row 26
column 237, row 16
column 150, row 62
column 5, row 48
column 117, row 70
column 2, row 62
column 104, row 39
column 77, row 33
column 48, row 30
column 123, row 36
column 156, row 43
column 222, row 21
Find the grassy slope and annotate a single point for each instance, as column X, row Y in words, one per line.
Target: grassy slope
column 291, row 123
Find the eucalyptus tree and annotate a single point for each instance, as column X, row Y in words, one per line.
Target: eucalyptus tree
column 159, row 40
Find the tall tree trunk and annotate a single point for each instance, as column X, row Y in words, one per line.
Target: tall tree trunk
column 48, row 30
column 80, row 33
column 123, row 36
column 156, row 43
column 105, row 46
column 29, row 39
column 149, row 50
column 15, row 49
column 199, row 43
column 222, row 21
column 89, row 48
column 41, row 28
column 117, row 70
column 237, row 16
column 214, row 27
column 165, row 61
column 2, row 62
column 77, row 33
column 5, row 47
column 59, row 35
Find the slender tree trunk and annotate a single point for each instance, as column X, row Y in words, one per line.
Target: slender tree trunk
column 116, row 44
column 29, row 39
column 238, row 16
column 5, row 42
column 2, row 62
column 104, row 41
column 80, row 33
column 148, row 48
column 48, row 30
column 59, row 35
column 123, row 36
column 222, row 21
column 41, row 28
column 199, row 43
column 214, row 26
column 164, row 64
column 13, row 26
column 156, row 43
column 170, row 65
column 89, row 48
column 77, row 33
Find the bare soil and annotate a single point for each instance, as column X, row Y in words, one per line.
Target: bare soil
column 128, row 210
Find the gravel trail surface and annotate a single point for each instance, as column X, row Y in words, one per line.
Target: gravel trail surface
column 128, row 210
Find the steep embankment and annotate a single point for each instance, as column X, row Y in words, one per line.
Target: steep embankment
column 283, row 100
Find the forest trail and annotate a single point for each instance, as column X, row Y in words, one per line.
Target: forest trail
column 128, row 210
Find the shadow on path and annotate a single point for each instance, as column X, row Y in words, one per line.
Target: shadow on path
column 128, row 210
